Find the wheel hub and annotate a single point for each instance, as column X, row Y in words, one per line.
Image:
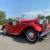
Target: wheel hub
column 31, row 35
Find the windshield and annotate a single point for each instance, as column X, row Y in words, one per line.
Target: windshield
column 27, row 17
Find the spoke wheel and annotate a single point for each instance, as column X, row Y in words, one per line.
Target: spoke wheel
column 31, row 36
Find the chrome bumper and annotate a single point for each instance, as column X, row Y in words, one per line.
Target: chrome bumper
column 43, row 34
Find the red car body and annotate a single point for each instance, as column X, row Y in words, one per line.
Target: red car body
column 21, row 25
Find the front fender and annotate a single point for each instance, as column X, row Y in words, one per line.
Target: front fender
column 37, row 27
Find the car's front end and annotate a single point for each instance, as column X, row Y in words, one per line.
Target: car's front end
column 43, row 23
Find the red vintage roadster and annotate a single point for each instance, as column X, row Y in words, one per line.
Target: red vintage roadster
column 31, row 29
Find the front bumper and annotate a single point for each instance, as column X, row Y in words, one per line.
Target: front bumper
column 43, row 34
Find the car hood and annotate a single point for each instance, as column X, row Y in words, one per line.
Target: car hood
column 28, row 21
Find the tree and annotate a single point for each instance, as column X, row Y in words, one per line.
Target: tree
column 2, row 15
column 48, row 17
column 41, row 17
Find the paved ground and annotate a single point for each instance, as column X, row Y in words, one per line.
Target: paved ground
column 18, row 43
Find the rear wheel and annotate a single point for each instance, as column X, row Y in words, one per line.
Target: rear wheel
column 4, row 31
column 31, row 36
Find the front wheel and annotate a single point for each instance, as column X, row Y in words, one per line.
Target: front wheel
column 31, row 36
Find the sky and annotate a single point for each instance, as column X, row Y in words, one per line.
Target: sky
column 15, row 8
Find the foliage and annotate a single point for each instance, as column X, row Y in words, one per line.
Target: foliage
column 41, row 17
column 1, row 23
column 48, row 17
column 2, row 15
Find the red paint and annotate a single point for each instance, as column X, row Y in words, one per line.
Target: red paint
column 48, row 25
column 21, row 25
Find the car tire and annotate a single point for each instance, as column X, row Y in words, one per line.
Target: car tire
column 30, row 35
column 4, row 31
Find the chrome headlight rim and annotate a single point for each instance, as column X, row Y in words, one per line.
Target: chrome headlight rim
column 41, row 21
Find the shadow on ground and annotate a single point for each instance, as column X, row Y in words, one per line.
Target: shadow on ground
column 19, row 39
